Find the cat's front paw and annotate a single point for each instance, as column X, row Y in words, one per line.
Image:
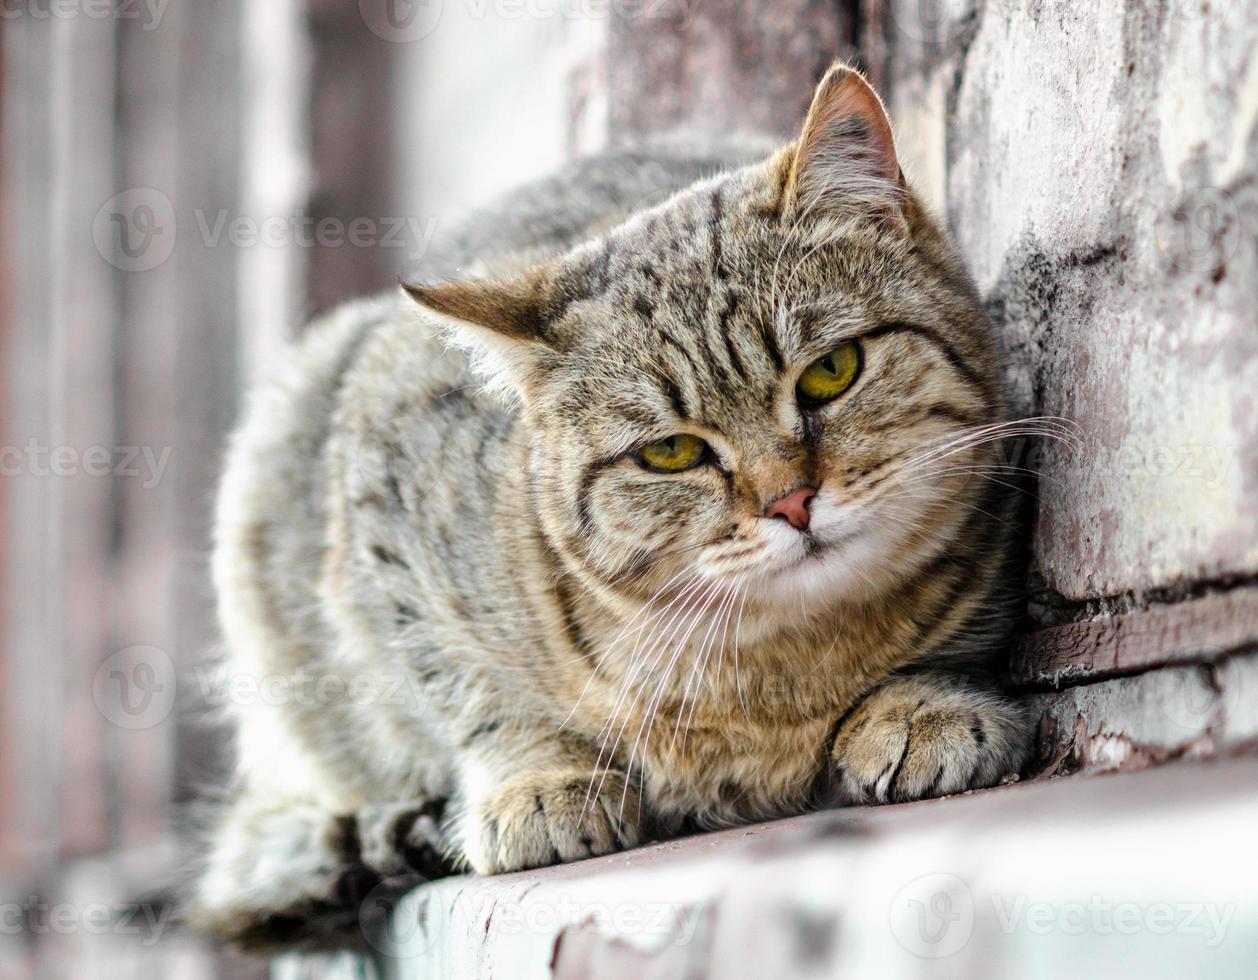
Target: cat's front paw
column 924, row 736
column 553, row 816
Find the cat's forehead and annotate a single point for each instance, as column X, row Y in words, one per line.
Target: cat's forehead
column 729, row 208
column 673, row 261
column 721, row 241
column 709, row 294
column 673, row 318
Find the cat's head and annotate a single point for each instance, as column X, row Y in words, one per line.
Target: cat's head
column 748, row 383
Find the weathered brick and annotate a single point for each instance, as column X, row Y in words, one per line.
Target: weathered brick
column 1195, row 630
column 1196, row 712
column 1097, row 166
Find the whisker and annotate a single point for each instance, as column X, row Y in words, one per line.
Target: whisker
column 654, row 703
column 606, row 652
column 735, row 592
column 635, row 665
column 737, row 630
column 701, row 661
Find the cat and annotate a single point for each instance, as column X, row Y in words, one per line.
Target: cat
column 662, row 505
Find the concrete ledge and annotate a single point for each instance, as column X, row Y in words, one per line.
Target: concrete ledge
column 1141, row 874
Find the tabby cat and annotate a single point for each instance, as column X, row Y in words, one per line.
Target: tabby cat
column 667, row 507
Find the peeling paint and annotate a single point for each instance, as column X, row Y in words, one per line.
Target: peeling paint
column 1125, row 131
column 1243, row 125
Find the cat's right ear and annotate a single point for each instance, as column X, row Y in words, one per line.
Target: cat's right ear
column 501, row 323
column 845, row 156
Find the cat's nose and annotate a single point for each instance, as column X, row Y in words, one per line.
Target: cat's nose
column 793, row 508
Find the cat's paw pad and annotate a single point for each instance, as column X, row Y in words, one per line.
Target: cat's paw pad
column 551, row 817
column 922, row 737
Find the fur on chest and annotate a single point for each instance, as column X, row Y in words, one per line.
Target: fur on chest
column 733, row 773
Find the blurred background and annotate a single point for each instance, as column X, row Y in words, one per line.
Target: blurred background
column 183, row 184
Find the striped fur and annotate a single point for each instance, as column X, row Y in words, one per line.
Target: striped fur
column 584, row 654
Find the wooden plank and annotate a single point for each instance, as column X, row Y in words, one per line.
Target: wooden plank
column 32, row 572
column 9, row 846
column 107, row 348
column 1198, row 711
column 275, row 175
column 1020, row 880
column 149, row 124
column 59, row 101
column 1195, row 630
column 207, row 364
column 80, row 379
column 352, row 156
column 872, row 18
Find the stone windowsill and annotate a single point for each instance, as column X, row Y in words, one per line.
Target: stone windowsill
column 1142, row 874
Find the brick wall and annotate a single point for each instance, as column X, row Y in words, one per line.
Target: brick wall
column 1096, row 164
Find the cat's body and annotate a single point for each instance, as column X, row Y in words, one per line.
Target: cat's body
column 492, row 630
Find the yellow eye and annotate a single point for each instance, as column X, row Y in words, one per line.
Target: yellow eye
column 674, row 454
column 830, row 376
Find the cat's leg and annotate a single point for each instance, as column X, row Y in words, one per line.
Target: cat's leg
column 537, row 798
column 289, row 873
column 927, row 735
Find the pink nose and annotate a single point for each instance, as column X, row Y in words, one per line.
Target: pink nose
column 793, row 507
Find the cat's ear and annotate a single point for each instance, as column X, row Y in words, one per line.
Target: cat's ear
column 502, row 323
column 515, row 310
column 845, row 156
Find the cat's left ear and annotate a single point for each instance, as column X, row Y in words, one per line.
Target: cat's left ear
column 502, row 323
column 845, row 157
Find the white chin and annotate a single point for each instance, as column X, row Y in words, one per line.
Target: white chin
column 859, row 567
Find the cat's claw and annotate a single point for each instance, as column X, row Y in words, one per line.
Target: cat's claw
column 554, row 816
column 924, row 736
